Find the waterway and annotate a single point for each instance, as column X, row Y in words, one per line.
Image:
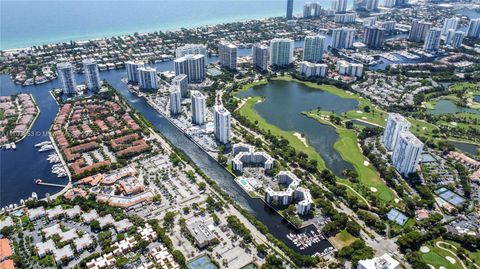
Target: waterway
column 447, row 106
column 283, row 105
column 19, row 167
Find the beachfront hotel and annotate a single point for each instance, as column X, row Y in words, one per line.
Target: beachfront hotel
column 67, row 77
column 222, row 120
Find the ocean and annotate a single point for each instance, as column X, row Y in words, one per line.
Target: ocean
column 26, row 23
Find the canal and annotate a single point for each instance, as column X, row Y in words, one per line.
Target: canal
column 20, row 167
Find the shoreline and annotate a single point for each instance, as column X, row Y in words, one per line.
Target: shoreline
column 112, row 34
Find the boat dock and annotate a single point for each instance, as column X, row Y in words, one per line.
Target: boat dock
column 51, row 184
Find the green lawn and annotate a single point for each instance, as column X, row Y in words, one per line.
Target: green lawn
column 342, row 239
column 350, row 151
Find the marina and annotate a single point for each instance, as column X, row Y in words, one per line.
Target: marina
column 305, row 240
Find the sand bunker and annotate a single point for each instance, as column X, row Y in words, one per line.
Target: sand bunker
column 366, row 163
column 450, row 259
column 373, row 189
column 424, row 249
column 302, row 138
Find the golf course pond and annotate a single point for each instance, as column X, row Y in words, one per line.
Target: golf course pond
column 282, row 106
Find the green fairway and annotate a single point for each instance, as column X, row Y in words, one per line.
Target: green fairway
column 437, row 258
column 350, row 151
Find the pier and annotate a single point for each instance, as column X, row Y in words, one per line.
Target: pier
column 52, row 184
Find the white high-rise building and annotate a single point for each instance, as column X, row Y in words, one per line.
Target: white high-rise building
column 227, row 54
column 474, row 28
column 419, row 30
column 222, row 120
column 147, row 78
column 191, row 65
column 406, row 154
column 313, row 48
column 182, row 82
column 432, row 40
column 389, row 3
column 457, row 39
column 340, row 6
column 369, row 21
column 350, row 17
column 389, row 26
column 65, row 72
column 342, row 38
column 309, row 69
column 132, row 70
column 92, row 75
column 260, row 56
column 281, row 52
column 198, row 107
column 311, row 10
column 190, row 49
column 371, row 5
column 175, row 100
column 448, row 24
column 396, row 124
column 349, row 69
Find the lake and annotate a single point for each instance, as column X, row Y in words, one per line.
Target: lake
column 283, row 105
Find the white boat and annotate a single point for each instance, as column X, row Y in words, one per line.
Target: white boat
column 46, row 148
column 7, row 146
column 13, row 146
column 44, row 143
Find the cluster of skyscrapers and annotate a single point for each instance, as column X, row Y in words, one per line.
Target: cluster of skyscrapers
column 312, row 10
column 405, row 146
column 66, row 73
